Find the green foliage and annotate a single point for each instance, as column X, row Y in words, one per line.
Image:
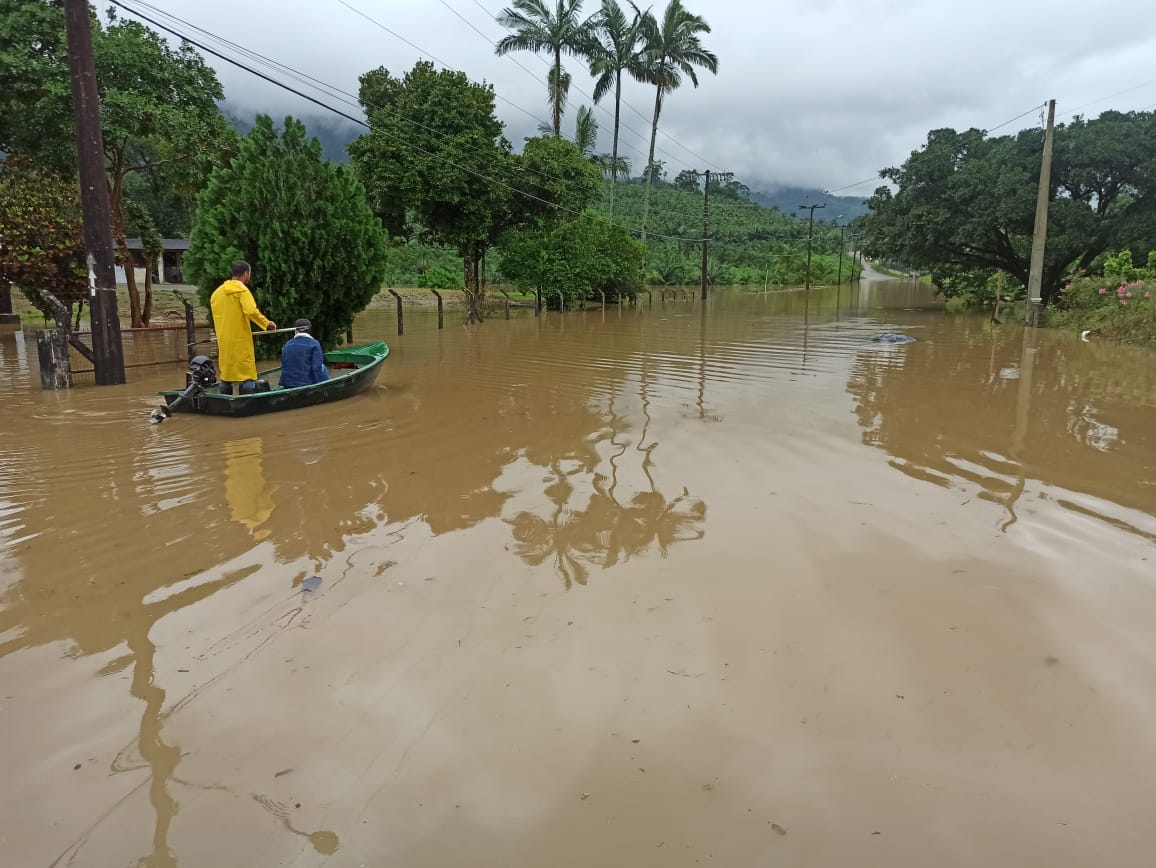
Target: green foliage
column 966, row 204
column 554, row 172
column 442, row 177
column 41, row 237
column 1119, row 310
column 575, row 257
column 672, row 48
column 316, row 249
column 438, row 277
column 755, row 244
column 535, row 27
column 158, row 106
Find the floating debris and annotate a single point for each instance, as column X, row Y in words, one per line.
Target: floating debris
column 311, row 584
column 893, row 338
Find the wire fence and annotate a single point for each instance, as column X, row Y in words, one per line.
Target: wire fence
column 148, row 347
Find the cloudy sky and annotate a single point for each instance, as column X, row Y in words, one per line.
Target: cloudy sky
column 818, row 93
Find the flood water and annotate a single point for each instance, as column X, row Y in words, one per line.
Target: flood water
column 654, row 587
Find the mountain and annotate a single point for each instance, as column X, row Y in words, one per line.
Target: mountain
column 788, row 200
column 334, row 132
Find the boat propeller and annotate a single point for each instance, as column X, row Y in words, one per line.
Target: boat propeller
column 201, row 376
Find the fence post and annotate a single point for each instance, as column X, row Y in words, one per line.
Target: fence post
column 441, row 321
column 561, row 301
column 55, row 365
column 538, row 306
column 400, row 315
column 190, row 329
column 650, row 296
column 507, row 295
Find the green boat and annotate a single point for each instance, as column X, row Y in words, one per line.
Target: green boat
column 351, row 370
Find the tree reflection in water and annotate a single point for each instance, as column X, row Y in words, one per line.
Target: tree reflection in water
column 606, row 531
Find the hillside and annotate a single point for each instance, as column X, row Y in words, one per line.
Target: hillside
column 788, row 200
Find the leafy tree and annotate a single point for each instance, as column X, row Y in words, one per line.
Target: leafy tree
column 445, row 178
column 576, row 257
column 612, row 51
column 41, row 234
column 535, row 27
column 687, row 180
column 158, row 105
column 316, row 249
column 965, row 204
column 672, row 49
column 560, row 180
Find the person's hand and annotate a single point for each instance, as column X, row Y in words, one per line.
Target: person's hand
column 272, row 327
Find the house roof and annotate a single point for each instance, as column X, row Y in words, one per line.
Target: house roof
column 170, row 244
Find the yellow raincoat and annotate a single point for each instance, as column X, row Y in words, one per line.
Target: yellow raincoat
column 233, row 309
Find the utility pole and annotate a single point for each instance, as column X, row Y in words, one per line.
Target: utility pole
column 724, row 176
column 107, row 350
column 810, row 232
column 842, row 229
column 1040, row 236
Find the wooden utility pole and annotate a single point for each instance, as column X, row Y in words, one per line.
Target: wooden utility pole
column 810, row 232
column 724, row 176
column 1040, row 236
column 108, row 352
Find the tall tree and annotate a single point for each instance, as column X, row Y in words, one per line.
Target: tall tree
column 535, row 27
column 612, row 51
column 672, row 49
column 158, row 105
column 316, row 248
column 447, row 178
column 965, row 204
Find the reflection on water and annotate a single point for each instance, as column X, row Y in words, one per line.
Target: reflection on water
column 586, row 438
column 991, row 409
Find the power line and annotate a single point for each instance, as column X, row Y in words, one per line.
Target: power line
column 363, row 123
column 308, row 80
column 543, row 81
column 1110, row 96
column 602, row 108
column 979, row 135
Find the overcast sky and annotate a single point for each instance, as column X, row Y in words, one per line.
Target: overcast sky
column 817, row 93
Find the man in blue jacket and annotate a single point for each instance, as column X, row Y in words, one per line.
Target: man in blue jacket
column 302, row 361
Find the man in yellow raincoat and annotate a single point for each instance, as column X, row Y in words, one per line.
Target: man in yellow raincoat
column 233, row 309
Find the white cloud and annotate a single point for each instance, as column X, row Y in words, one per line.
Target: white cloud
column 809, row 92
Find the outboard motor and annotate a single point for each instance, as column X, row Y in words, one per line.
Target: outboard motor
column 200, row 377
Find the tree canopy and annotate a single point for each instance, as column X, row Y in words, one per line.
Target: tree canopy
column 158, row 107
column 41, row 238
column 435, row 162
column 965, row 203
column 304, row 225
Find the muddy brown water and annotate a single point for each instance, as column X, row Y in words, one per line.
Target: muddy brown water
column 652, row 587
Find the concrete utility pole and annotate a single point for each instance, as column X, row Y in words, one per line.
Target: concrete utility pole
column 723, row 176
column 842, row 230
column 1040, row 236
column 107, row 350
column 810, row 232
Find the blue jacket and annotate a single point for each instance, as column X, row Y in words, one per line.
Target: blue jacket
column 302, row 362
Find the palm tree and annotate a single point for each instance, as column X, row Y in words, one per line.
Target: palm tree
column 535, row 27
column 586, row 133
column 613, row 50
column 612, row 167
column 672, row 49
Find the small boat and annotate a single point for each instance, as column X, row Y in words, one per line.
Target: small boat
column 351, row 370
